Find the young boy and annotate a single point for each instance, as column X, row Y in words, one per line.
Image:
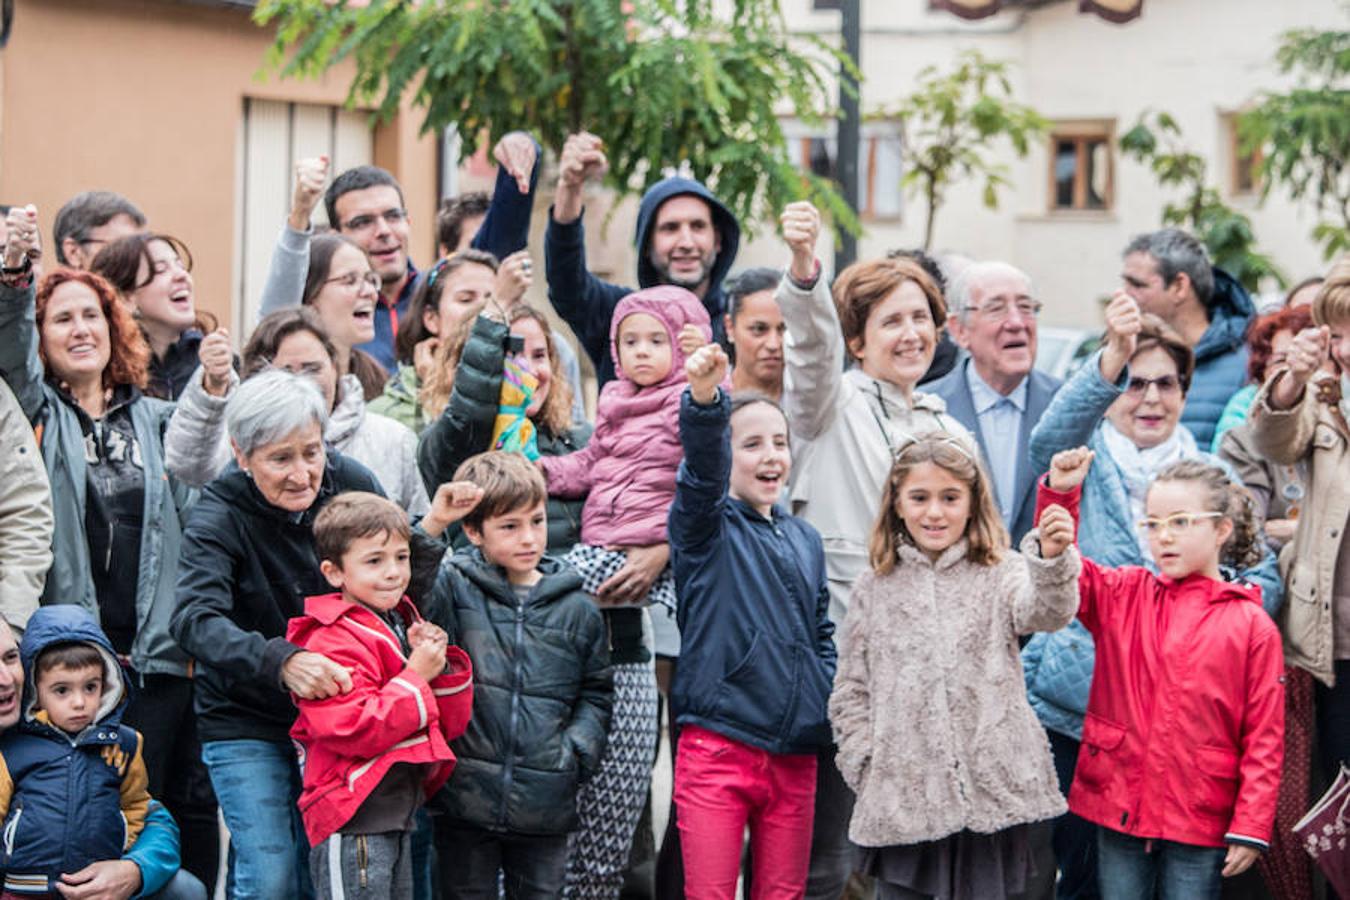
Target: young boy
column 372, row 756
column 541, row 710
column 73, row 699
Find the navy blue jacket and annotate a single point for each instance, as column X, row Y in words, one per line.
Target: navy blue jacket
column 757, row 660
column 587, row 303
column 1220, row 357
column 61, row 794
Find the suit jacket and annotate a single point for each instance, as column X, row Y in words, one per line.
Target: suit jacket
column 954, row 389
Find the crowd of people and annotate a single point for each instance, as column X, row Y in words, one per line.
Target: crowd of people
column 370, row 586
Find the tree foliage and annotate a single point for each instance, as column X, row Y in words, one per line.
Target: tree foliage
column 1304, row 133
column 951, row 123
column 1156, row 141
column 665, row 83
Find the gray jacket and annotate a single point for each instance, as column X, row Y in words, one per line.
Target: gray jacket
column 25, row 515
column 166, row 500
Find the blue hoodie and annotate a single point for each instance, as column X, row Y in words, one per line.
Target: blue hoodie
column 587, row 303
column 64, row 810
column 1220, row 357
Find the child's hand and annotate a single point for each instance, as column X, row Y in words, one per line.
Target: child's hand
column 1068, row 468
column 453, row 501
column 1239, row 859
column 424, row 630
column 690, row 339
column 706, row 369
column 1056, row 527
column 428, row 656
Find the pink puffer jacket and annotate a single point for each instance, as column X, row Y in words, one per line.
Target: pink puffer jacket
column 627, row 471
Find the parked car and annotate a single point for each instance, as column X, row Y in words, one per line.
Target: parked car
column 1060, row 351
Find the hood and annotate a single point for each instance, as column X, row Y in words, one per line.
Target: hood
column 675, row 307
column 348, row 412
column 1207, row 590
column 1230, row 313
column 727, row 228
column 323, row 610
column 66, row 623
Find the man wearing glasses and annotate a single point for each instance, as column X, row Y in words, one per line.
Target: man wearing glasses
column 1169, row 274
column 90, row 220
column 995, row 391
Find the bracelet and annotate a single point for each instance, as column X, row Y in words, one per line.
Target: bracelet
column 805, row 285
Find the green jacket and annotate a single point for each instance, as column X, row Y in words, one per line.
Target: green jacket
column 399, row 400
column 166, row 501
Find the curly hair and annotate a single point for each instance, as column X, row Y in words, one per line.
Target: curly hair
column 985, row 531
column 1261, row 337
column 1245, row 547
column 128, row 353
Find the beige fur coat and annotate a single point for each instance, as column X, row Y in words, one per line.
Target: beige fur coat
column 929, row 707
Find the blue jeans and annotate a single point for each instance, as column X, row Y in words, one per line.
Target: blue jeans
column 258, row 786
column 183, row 886
column 1130, row 870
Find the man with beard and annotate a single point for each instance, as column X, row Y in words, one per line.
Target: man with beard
column 685, row 237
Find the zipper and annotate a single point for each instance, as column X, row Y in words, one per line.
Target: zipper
column 508, row 770
column 362, row 858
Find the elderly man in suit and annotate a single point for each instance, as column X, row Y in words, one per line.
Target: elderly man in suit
column 995, row 390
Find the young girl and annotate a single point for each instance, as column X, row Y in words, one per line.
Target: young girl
column 758, row 655
column 627, row 474
column 935, row 734
column 1183, row 739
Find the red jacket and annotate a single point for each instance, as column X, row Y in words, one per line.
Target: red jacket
column 391, row 715
column 1184, row 734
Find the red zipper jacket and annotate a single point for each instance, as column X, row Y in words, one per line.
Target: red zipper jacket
column 391, row 715
column 1184, row 734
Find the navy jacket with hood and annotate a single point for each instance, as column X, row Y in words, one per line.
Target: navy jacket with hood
column 758, row 658
column 1220, row 357
column 587, row 303
column 61, row 796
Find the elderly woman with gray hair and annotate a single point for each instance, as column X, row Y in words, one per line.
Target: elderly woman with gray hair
column 248, row 562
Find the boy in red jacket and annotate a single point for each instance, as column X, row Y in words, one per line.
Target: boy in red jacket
column 372, row 756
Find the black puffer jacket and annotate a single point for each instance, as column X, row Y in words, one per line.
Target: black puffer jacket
column 246, row 569
column 465, row 428
column 542, row 694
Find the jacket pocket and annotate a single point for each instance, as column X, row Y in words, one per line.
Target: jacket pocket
column 1102, row 753
column 11, row 830
column 1216, row 785
column 756, row 692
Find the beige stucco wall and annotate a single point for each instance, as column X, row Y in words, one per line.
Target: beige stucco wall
column 146, row 97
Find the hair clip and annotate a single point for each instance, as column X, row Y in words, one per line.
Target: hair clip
column 435, row 272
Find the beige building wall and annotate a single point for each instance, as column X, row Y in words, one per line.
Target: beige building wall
column 146, row 97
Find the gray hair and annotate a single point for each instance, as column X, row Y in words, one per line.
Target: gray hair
column 271, row 405
column 89, row 210
column 1175, row 252
column 973, row 273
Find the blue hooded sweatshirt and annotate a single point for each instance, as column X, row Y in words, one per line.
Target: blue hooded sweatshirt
column 68, row 800
column 1220, row 357
column 587, row 303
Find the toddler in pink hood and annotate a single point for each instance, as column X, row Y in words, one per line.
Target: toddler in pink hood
column 627, row 471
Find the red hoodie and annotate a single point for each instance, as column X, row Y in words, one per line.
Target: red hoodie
column 1184, row 734
column 391, row 715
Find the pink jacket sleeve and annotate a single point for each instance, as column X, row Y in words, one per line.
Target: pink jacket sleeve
column 1262, row 738
column 570, row 475
column 1094, row 581
column 370, row 718
column 454, row 693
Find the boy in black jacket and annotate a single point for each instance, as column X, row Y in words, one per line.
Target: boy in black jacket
column 542, row 689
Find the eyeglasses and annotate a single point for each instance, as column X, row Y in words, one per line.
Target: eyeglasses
column 366, row 223
column 1175, row 524
column 1166, row 385
column 998, row 310
column 354, row 279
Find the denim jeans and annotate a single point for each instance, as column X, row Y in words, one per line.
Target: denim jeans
column 258, row 785
column 183, row 886
column 1131, row 869
column 532, row 867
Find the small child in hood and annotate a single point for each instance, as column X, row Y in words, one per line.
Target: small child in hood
column 627, row 471
column 372, row 756
column 73, row 700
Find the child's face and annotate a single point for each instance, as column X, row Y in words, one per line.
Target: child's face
column 374, row 571
column 514, row 540
column 935, row 507
column 1340, row 343
column 644, row 349
column 1184, row 535
column 760, row 459
column 70, row 696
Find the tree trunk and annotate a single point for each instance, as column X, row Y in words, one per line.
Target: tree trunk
column 931, row 194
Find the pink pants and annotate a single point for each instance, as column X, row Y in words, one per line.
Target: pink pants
column 722, row 784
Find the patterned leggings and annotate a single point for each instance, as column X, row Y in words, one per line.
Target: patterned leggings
column 610, row 804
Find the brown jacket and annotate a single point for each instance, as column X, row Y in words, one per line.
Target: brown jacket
column 929, row 708
column 1315, row 431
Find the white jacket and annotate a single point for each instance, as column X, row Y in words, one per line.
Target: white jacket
column 845, row 428
column 197, row 448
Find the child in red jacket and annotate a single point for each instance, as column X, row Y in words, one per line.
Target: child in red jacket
column 1184, row 734
column 372, row 756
